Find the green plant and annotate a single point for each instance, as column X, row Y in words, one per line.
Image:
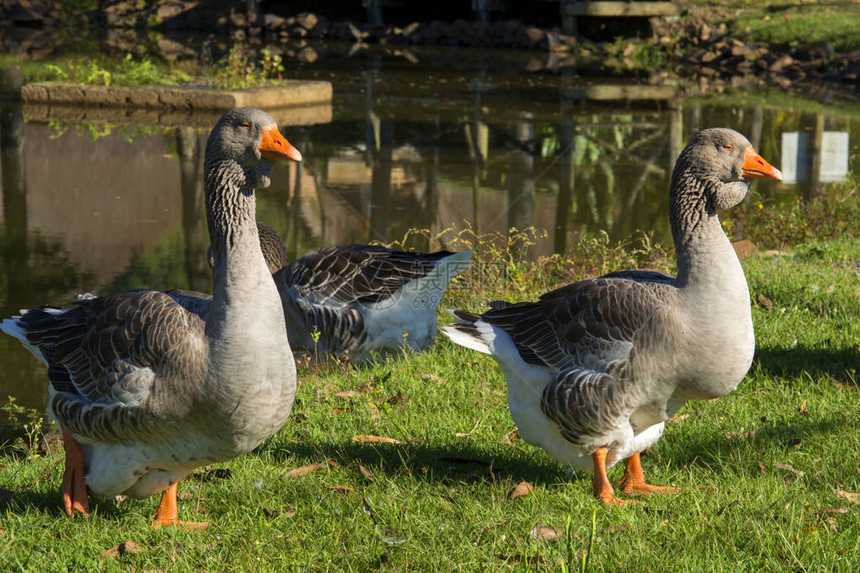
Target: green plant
column 271, row 65
column 27, row 420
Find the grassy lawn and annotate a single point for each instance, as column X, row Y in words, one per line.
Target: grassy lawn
column 769, row 474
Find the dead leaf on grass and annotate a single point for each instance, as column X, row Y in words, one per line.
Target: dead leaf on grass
column 432, row 377
column 304, row 470
column 677, row 418
column 373, row 438
column 617, row 529
column 834, row 525
column 761, row 467
column 523, row 488
column 545, row 533
column 765, row 302
column 344, row 489
column 789, row 468
column 121, row 549
column 366, row 473
column 852, row 497
column 832, row 510
column 275, row 513
column 511, row 438
column 348, row 394
column 741, row 436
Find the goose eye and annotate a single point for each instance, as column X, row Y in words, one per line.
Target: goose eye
column 246, row 125
column 728, row 146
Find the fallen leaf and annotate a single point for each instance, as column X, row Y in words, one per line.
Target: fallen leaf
column 348, row 394
column 120, row 499
column 511, row 438
column 212, row 474
column 398, row 398
column 802, row 408
column 678, row 418
column 523, row 488
column 544, row 533
column 765, row 302
column 121, row 549
column 304, row 470
column 742, row 436
column 617, row 528
column 852, row 497
column 366, row 473
column 789, row 468
column 760, row 466
column 365, row 507
column 832, row 510
column 341, row 488
column 337, row 412
column 834, row 525
column 432, row 377
column 275, row 512
column 373, row 438
column 200, row 509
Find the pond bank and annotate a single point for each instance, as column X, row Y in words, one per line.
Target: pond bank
column 702, row 43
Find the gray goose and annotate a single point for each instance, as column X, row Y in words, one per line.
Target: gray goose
column 594, row 368
column 359, row 299
column 147, row 385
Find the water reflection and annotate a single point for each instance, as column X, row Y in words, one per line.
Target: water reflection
column 94, row 207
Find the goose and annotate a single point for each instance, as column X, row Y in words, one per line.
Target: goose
column 148, row 385
column 359, row 299
column 594, row 368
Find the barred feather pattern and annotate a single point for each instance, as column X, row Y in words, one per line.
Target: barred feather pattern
column 348, row 274
column 109, row 364
column 333, row 293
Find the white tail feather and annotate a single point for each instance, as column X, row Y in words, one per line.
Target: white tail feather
column 11, row 327
column 463, row 339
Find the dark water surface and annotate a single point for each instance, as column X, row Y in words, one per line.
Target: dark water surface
column 100, row 207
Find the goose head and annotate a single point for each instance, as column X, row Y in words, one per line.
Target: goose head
column 718, row 166
column 250, row 138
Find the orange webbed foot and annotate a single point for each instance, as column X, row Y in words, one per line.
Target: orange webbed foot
column 75, row 495
column 633, row 482
column 168, row 514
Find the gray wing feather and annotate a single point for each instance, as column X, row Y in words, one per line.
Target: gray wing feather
column 583, row 402
column 347, row 274
column 107, row 357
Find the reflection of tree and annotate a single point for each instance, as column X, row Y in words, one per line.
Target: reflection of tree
column 193, row 213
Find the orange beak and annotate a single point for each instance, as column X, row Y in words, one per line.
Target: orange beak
column 755, row 167
column 275, row 147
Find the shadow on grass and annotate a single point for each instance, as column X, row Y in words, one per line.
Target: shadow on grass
column 430, row 463
column 838, row 364
column 21, row 500
column 746, row 451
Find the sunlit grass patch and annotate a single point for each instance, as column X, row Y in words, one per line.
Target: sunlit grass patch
column 410, row 463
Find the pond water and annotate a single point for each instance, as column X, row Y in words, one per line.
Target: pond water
column 100, row 207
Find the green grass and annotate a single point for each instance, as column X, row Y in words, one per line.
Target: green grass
column 804, row 24
column 760, row 469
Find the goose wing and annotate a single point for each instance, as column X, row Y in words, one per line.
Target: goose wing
column 115, row 361
column 349, row 274
column 590, row 324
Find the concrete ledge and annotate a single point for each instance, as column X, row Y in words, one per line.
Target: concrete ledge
column 294, row 93
column 614, row 9
column 173, row 117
